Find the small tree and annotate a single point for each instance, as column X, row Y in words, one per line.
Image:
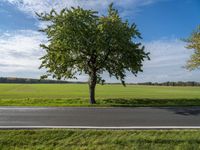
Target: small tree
column 193, row 42
column 81, row 41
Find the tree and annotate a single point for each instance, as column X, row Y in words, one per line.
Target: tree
column 81, row 41
column 193, row 42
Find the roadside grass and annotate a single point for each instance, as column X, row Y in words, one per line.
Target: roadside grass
column 100, row 102
column 61, row 139
column 106, row 96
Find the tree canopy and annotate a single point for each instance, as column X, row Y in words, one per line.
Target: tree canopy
column 193, row 42
column 82, row 41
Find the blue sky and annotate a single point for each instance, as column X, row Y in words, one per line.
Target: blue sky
column 162, row 24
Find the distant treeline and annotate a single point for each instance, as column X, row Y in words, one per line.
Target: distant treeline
column 31, row 81
column 38, row 81
column 179, row 83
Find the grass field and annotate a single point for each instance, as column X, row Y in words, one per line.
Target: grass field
column 99, row 139
column 107, row 95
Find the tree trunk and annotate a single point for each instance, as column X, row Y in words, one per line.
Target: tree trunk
column 92, row 85
column 92, row 95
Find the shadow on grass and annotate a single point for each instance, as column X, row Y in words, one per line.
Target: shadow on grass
column 109, row 102
column 149, row 102
column 166, row 141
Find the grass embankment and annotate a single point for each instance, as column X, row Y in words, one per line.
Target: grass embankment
column 99, row 139
column 107, row 95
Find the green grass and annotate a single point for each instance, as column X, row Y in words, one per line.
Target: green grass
column 99, row 139
column 107, row 95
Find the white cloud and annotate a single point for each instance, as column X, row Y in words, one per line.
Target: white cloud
column 127, row 8
column 20, row 51
column 167, row 53
column 168, row 58
column 32, row 6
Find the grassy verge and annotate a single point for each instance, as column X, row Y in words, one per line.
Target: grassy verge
column 96, row 139
column 101, row 102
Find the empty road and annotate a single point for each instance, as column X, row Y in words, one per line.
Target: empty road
column 99, row 117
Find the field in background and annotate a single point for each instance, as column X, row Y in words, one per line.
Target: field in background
column 99, row 139
column 106, row 95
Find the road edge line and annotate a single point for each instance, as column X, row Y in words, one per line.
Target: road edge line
column 99, row 127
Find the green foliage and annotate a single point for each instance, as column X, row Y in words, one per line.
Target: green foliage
column 81, row 41
column 194, row 43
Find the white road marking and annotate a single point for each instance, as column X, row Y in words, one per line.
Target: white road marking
column 99, row 127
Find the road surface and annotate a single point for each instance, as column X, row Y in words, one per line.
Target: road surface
column 99, row 117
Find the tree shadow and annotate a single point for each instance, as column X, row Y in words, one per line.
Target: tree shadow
column 149, row 102
column 185, row 111
column 184, row 107
column 167, row 141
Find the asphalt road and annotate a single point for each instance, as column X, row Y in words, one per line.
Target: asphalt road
column 101, row 117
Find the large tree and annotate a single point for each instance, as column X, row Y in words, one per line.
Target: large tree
column 193, row 42
column 82, row 41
